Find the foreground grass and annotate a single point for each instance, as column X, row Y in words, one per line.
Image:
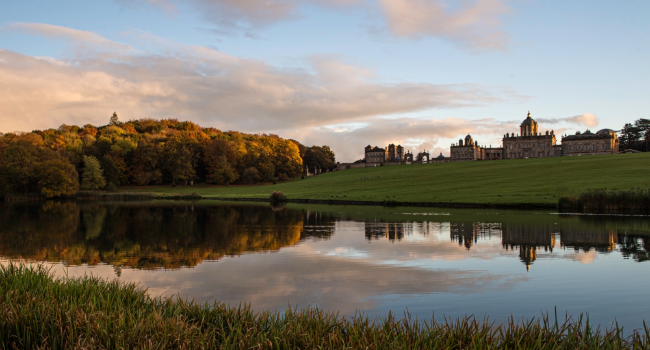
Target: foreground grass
column 38, row 311
column 518, row 181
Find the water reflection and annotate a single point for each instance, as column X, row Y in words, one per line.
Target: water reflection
column 173, row 235
column 341, row 258
column 154, row 236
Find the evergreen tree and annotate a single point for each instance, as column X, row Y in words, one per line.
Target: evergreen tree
column 114, row 119
column 93, row 176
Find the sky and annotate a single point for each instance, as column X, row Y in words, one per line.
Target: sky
column 343, row 73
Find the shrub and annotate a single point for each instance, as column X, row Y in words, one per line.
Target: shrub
column 278, row 197
column 601, row 201
column 111, row 187
column 283, row 177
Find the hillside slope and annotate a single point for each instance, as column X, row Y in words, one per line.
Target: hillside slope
column 518, row 181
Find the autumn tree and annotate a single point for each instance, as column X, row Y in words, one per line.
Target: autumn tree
column 265, row 167
column 179, row 162
column 251, row 175
column 56, row 178
column 93, row 175
column 218, row 156
column 146, row 164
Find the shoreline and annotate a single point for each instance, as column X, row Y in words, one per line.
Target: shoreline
column 129, row 196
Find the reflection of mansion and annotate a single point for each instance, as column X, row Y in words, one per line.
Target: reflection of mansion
column 530, row 143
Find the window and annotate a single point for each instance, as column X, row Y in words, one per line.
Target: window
column 570, row 148
column 602, row 147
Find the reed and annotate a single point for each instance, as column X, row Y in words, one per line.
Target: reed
column 40, row 311
column 602, row 201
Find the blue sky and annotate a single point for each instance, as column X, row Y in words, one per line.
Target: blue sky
column 345, row 73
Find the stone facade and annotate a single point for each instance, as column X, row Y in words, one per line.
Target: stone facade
column 375, row 156
column 603, row 142
column 530, row 143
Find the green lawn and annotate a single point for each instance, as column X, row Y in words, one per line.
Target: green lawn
column 534, row 181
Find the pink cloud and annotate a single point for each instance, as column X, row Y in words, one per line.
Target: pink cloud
column 472, row 24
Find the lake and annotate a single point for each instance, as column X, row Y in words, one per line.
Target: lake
column 442, row 262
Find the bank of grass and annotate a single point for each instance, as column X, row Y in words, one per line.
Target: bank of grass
column 601, row 201
column 38, row 311
column 539, row 181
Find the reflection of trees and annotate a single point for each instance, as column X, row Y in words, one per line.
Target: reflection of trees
column 144, row 235
column 637, row 247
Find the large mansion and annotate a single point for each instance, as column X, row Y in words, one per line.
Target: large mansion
column 530, row 143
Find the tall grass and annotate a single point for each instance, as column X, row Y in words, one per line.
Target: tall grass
column 601, row 201
column 39, row 311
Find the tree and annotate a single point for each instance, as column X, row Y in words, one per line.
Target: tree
column 218, row 157
column 643, row 125
column 221, row 173
column 321, row 157
column 179, row 161
column 146, row 163
column 251, row 175
column 114, row 119
column 630, row 134
column 265, row 167
column 57, row 177
column 93, row 175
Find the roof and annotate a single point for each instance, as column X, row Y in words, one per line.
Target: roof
column 376, row 149
column 528, row 120
column 584, row 136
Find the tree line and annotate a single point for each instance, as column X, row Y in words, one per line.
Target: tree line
column 59, row 162
column 635, row 136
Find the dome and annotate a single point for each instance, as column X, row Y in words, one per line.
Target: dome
column 606, row 132
column 468, row 140
column 529, row 121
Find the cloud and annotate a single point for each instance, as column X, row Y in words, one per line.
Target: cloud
column 164, row 5
column 415, row 134
column 472, row 24
column 169, row 80
column 586, row 119
column 73, row 36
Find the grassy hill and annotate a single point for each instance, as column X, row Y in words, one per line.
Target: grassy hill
column 518, row 181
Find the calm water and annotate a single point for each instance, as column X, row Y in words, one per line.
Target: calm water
column 347, row 258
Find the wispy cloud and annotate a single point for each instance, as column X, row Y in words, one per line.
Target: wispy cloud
column 586, row 119
column 72, row 36
column 472, row 24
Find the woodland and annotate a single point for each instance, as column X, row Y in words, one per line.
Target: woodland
column 59, row 162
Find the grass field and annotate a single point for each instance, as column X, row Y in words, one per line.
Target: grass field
column 519, row 181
